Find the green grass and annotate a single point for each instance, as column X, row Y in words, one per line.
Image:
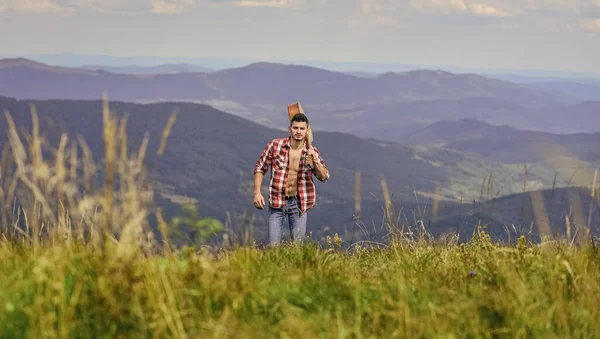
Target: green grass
column 478, row 289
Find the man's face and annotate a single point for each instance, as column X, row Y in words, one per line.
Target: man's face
column 298, row 130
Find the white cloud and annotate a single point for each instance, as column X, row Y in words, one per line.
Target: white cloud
column 135, row 6
column 502, row 8
column 485, row 10
column 39, row 6
column 567, row 16
column 377, row 13
column 170, row 6
column 559, row 6
column 479, row 8
column 443, row 5
column 116, row 6
column 592, row 25
column 265, row 3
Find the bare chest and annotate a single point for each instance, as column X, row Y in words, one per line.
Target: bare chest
column 294, row 160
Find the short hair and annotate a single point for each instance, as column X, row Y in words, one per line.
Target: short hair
column 299, row 117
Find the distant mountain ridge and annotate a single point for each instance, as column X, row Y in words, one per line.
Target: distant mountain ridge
column 504, row 143
column 22, row 63
column 266, row 83
column 372, row 107
column 159, row 69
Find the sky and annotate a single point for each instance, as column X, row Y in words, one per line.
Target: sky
column 559, row 35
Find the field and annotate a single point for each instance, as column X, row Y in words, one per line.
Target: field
column 80, row 260
column 477, row 290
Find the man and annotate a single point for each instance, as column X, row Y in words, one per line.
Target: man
column 291, row 187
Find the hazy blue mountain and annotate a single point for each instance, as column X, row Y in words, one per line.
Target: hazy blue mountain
column 504, row 143
column 78, row 60
column 159, row 69
column 391, row 122
column 263, row 84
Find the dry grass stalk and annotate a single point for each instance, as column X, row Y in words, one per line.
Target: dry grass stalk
column 436, row 202
column 540, row 214
column 357, row 200
column 578, row 222
column 166, row 133
column 109, row 123
column 592, row 192
column 388, row 202
column 50, row 201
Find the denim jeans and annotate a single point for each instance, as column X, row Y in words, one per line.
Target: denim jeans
column 297, row 221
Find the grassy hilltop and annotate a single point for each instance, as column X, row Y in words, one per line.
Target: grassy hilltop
column 477, row 290
column 80, row 260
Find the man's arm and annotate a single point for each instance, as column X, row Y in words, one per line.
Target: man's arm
column 258, row 177
column 263, row 163
column 321, row 169
column 259, row 200
column 261, row 167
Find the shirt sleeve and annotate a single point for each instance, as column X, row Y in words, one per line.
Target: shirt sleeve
column 263, row 163
column 322, row 161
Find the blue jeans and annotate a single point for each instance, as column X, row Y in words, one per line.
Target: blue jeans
column 297, row 221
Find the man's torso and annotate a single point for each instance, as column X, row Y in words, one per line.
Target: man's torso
column 293, row 168
column 290, row 174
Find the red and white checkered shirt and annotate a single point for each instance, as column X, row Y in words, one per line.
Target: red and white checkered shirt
column 276, row 155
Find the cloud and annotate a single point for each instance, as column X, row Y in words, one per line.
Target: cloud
column 592, row 25
column 505, row 7
column 489, row 8
column 38, row 6
column 565, row 16
column 485, row 10
column 378, row 13
column 135, row 6
column 170, row 6
column 265, row 3
column 442, row 5
column 116, row 6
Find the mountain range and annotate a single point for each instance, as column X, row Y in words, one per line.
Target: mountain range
column 372, row 107
column 503, row 143
column 261, row 83
column 158, row 69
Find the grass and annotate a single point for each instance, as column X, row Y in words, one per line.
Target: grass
column 79, row 260
column 479, row 289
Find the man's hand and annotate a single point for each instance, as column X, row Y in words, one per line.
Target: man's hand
column 320, row 170
column 259, row 201
column 312, row 156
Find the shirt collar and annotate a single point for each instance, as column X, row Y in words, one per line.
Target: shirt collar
column 286, row 143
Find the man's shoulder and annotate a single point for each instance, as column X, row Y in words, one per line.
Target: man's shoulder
column 277, row 141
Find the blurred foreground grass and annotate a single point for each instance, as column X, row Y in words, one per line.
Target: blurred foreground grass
column 477, row 289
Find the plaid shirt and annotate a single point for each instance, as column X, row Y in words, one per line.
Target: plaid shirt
column 276, row 155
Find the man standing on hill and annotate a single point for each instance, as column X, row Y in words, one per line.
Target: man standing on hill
column 291, row 187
